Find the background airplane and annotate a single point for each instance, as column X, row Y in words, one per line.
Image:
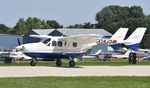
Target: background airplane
column 114, row 56
column 133, row 41
column 116, row 40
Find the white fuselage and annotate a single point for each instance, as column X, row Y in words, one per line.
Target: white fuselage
column 54, row 48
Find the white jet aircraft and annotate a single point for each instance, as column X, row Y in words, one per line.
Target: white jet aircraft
column 66, row 46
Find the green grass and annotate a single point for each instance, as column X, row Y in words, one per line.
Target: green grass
column 76, row 82
column 86, row 62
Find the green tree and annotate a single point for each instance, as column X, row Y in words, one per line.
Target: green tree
column 24, row 26
column 135, row 12
column 21, row 27
column 33, row 23
column 4, row 28
column 44, row 25
column 105, row 16
column 54, row 24
column 110, row 16
column 87, row 25
column 147, row 23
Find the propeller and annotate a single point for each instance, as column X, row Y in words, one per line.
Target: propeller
column 19, row 43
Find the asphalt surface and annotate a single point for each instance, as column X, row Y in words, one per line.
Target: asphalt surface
column 28, row 71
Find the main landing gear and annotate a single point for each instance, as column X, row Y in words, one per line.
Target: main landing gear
column 71, row 63
column 33, row 62
column 59, row 62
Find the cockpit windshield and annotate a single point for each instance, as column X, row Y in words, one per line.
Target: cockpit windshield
column 46, row 41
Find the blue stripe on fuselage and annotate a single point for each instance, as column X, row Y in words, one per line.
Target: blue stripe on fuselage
column 53, row 55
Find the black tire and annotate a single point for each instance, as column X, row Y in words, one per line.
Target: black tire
column 72, row 63
column 130, row 61
column 58, row 62
column 33, row 63
column 132, row 58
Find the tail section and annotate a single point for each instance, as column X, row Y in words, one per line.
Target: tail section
column 135, row 38
column 119, row 37
column 120, row 34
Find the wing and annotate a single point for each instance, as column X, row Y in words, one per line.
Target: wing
column 41, row 36
column 81, row 39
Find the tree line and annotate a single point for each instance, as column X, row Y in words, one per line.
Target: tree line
column 23, row 26
column 110, row 18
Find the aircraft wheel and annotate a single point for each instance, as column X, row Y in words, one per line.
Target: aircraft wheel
column 130, row 61
column 58, row 62
column 72, row 63
column 33, row 63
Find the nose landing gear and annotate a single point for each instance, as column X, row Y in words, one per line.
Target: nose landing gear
column 33, row 62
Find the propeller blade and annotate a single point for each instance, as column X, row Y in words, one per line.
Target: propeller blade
column 18, row 41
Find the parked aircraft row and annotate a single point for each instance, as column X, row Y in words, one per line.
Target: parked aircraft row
column 132, row 42
column 75, row 46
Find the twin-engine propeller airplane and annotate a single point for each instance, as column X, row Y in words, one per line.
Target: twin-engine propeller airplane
column 58, row 47
column 67, row 46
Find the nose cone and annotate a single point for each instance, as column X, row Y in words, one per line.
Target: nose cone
column 19, row 47
column 32, row 47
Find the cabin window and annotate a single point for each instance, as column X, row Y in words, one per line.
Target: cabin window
column 74, row 44
column 65, row 43
column 46, row 41
column 53, row 43
column 60, row 43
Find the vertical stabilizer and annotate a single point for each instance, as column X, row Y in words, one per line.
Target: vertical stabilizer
column 133, row 41
column 119, row 36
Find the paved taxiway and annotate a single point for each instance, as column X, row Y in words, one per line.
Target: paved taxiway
column 28, row 71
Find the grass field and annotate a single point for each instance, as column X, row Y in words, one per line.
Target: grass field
column 75, row 82
column 86, row 62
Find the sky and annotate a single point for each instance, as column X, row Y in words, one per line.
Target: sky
column 66, row 12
